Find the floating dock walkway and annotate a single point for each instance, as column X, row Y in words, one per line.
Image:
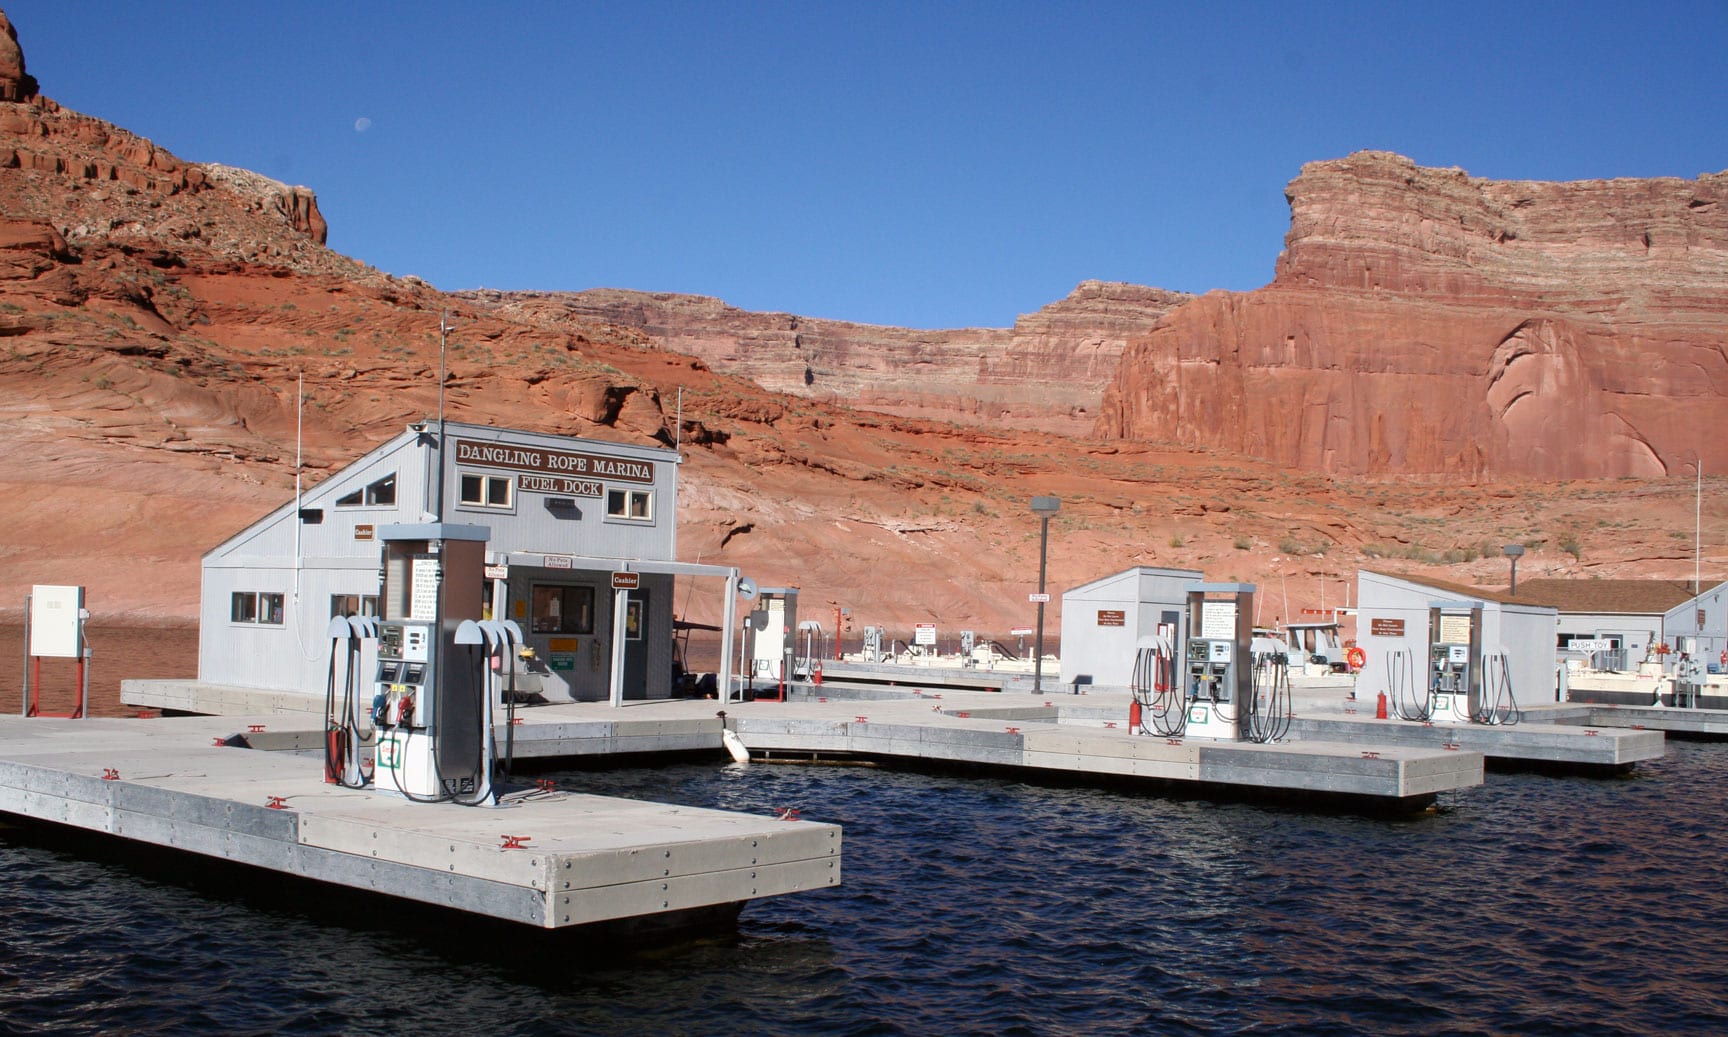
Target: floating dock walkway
column 1568, row 737
column 547, row 859
column 1057, row 734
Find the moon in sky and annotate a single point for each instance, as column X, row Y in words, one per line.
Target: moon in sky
column 362, row 124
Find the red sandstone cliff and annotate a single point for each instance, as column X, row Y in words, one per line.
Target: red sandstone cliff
column 1048, row 372
column 1425, row 321
column 155, row 316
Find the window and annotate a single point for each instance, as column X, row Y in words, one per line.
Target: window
column 353, row 605
column 630, row 505
column 563, row 610
column 485, row 491
column 381, row 493
column 255, row 607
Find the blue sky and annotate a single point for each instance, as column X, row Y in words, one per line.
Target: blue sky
column 928, row 165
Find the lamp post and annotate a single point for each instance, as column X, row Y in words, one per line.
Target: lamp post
column 1514, row 552
column 1043, row 507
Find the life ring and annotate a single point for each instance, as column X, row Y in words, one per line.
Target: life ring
column 1356, row 657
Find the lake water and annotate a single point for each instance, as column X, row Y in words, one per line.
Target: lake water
column 1534, row 904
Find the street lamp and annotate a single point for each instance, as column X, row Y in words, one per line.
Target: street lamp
column 1043, row 507
column 1514, row 552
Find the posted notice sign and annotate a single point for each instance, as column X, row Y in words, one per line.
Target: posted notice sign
column 1590, row 644
column 1041, row 599
column 924, row 634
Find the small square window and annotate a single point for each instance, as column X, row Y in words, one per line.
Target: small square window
column 270, row 609
column 243, row 607
column 630, row 505
column 485, row 491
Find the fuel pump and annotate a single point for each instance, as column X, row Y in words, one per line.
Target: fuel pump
column 872, row 644
column 1216, row 664
column 1159, row 704
column 431, row 702
column 1266, row 713
column 968, row 641
column 1455, row 660
column 350, row 739
column 772, row 646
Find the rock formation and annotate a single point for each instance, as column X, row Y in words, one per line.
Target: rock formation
column 15, row 83
column 1049, row 371
column 1425, row 321
column 156, row 316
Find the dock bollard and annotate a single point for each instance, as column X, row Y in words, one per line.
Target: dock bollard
column 1380, row 709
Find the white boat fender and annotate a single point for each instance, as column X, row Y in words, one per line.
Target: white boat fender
column 734, row 745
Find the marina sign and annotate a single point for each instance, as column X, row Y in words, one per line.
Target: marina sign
column 540, row 460
column 1587, row 644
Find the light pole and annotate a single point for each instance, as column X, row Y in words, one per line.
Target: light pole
column 1514, row 552
column 1043, row 507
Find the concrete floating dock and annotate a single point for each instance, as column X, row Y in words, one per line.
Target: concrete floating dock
column 549, row 860
column 1057, row 734
column 974, row 728
column 1325, row 718
column 1530, row 741
column 1688, row 722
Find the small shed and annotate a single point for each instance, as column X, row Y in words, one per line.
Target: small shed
column 1103, row 621
column 1628, row 614
column 1394, row 611
column 1699, row 624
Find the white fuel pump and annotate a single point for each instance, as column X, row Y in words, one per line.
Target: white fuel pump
column 1216, row 667
column 1455, row 660
column 432, row 699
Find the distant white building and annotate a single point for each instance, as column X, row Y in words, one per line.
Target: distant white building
column 1103, row 621
column 563, row 516
column 1394, row 612
column 1700, row 625
column 1627, row 614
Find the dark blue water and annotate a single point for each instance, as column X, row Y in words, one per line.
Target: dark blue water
column 1531, row 905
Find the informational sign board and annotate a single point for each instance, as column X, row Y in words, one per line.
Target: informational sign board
column 1386, row 627
column 1039, row 599
column 1021, row 632
column 924, row 634
column 1218, row 619
column 1589, row 644
column 626, row 581
column 1112, row 618
column 363, row 531
column 1455, row 630
column 497, row 572
column 55, row 621
column 423, row 603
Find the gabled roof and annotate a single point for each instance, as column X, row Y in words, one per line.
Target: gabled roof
column 1637, row 597
column 1462, row 590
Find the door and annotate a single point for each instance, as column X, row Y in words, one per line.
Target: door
column 636, row 645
